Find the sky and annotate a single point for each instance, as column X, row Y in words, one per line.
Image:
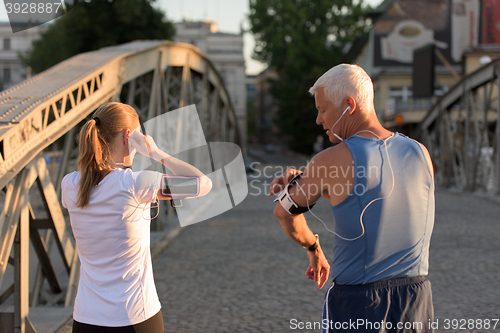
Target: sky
column 230, row 16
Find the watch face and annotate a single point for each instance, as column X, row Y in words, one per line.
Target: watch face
column 294, row 180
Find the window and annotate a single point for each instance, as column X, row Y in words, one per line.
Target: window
column 6, row 74
column 6, row 43
column 400, row 94
column 223, row 75
column 440, row 90
column 399, row 98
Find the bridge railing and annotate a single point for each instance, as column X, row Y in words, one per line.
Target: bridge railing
column 153, row 76
column 462, row 133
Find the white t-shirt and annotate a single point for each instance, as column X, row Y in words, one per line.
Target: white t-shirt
column 112, row 233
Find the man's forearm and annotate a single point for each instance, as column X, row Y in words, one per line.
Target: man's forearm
column 296, row 228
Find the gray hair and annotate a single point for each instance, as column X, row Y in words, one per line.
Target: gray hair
column 346, row 80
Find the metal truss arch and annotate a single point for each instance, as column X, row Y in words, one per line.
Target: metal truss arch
column 153, row 76
column 462, row 133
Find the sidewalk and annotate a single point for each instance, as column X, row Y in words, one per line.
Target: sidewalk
column 239, row 272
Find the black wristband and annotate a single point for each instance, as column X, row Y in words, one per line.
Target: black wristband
column 314, row 246
column 298, row 210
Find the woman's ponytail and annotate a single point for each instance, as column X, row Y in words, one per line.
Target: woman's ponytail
column 93, row 144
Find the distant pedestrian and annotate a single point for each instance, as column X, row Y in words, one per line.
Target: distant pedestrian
column 381, row 188
column 318, row 144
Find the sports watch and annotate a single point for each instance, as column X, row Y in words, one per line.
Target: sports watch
column 314, row 246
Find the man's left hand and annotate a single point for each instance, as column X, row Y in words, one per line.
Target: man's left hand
column 279, row 182
column 318, row 269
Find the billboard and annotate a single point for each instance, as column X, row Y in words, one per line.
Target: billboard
column 451, row 25
column 491, row 22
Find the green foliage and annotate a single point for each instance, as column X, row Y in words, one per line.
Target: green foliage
column 94, row 24
column 302, row 39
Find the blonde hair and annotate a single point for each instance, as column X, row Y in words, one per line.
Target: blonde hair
column 346, row 80
column 94, row 144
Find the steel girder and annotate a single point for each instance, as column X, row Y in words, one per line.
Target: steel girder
column 462, row 133
column 153, row 76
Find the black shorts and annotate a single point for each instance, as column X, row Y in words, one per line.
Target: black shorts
column 398, row 305
column 151, row 325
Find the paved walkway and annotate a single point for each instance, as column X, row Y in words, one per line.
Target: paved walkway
column 464, row 260
column 239, row 272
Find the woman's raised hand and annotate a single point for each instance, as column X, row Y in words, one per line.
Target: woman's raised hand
column 144, row 144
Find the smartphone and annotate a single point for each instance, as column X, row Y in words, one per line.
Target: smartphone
column 180, row 187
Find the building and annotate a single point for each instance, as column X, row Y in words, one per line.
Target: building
column 475, row 57
column 225, row 50
column 462, row 31
column 12, row 71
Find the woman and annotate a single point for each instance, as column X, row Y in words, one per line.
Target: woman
column 109, row 209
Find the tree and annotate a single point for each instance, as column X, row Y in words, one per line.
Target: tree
column 301, row 39
column 94, row 24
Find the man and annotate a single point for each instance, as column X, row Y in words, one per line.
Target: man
column 381, row 188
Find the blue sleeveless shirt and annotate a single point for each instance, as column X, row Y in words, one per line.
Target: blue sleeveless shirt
column 397, row 229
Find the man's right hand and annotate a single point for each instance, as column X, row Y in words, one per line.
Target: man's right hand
column 319, row 268
column 278, row 183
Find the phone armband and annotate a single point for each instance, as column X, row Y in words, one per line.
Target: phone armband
column 180, row 187
column 287, row 202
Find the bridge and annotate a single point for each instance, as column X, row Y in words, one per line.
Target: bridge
column 462, row 133
column 45, row 111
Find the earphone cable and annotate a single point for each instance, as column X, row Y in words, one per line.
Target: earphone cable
column 363, row 212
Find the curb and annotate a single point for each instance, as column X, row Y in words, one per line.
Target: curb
column 490, row 197
column 162, row 242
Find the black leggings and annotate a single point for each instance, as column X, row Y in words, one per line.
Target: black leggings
column 152, row 325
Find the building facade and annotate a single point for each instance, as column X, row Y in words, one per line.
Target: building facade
column 225, row 50
column 459, row 30
column 12, row 71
